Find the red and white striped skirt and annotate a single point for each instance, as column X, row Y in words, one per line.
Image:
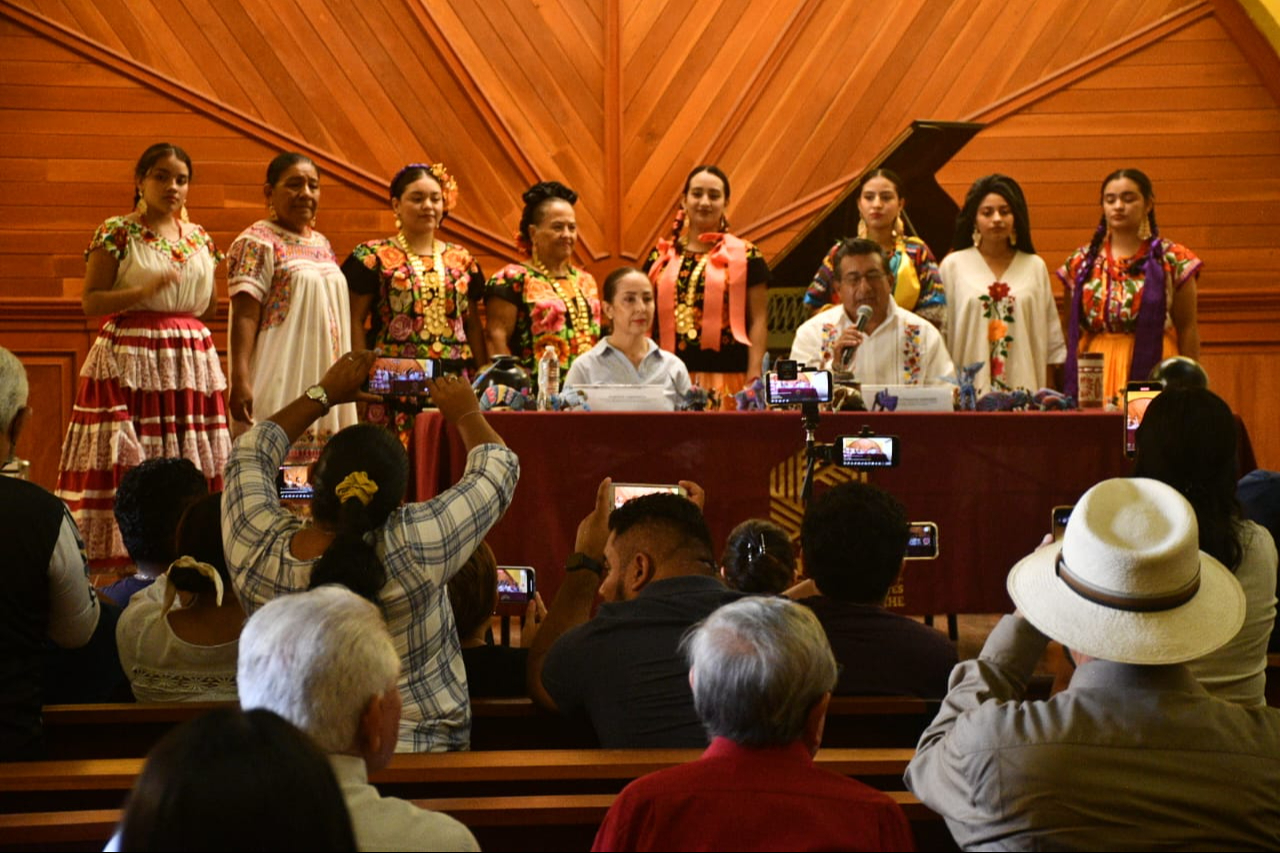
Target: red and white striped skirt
column 151, row 386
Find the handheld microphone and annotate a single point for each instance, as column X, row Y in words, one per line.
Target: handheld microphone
column 864, row 317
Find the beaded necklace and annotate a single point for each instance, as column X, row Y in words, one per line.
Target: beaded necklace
column 575, row 304
column 684, row 305
column 429, row 290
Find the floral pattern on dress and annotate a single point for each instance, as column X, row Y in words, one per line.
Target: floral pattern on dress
column 114, row 234
column 542, row 318
column 997, row 308
column 1113, row 292
column 911, row 363
column 264, row 245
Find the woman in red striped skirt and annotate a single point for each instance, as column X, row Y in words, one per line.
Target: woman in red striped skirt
column 152, row 385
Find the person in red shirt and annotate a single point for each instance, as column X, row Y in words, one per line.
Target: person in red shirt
column 762, row 673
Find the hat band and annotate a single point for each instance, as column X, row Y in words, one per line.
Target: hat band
column 1132, row 603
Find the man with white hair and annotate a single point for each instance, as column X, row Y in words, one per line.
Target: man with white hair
column 1134, row 754
column 762, row 673
column 324, row 661
column 45, row 590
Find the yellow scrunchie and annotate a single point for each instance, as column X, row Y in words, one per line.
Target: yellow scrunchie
column 171, row 591
column 357, row 485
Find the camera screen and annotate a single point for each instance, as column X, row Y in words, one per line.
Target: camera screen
column 923, row 541
column 1136, row 400
column 401, row 377
column 515, row 584
column 623, row 492
column 809, row 387
column 868, row 451
column 293, row 482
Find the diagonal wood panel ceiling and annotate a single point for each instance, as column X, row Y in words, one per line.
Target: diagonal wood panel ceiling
column 792, row 97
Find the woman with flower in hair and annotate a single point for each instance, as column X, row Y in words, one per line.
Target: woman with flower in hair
column 546, row 300
column 418, row 292
column 290, row 315
column 1000, row 307
column 1132, row 293
column 917, row 283
column 152, row 384
column 712, row 289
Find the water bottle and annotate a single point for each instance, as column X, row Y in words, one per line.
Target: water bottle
column 548, row 377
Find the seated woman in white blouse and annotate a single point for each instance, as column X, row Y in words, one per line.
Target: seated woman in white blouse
column 185, row 653
column 628, row 356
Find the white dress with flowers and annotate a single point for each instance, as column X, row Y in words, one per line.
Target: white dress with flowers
column 305, row 325
column 1011, row 326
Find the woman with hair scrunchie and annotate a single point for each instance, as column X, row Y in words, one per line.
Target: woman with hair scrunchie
column 1132, row 292
column 188, row 653
column 152, row 383
column 419, row 293
column 400, row 556
column 546, row 300
column 712, row 290
column 917, row 282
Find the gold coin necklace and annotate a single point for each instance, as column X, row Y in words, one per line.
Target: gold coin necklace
column 575, row 304
column 684, row 307
column 429, row 290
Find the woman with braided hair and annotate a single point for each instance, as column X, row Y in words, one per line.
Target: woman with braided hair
column 712, row 289
column 546, row 300
column 1132, row 293
column 420, row 292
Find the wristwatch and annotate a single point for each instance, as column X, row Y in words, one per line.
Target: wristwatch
column 321, row 396
column 579, row 562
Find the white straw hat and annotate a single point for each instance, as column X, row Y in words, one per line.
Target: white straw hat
column 1129, row 582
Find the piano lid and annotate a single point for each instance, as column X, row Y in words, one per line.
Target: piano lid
column 916, row 155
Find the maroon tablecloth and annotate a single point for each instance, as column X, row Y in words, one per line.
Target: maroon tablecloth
column 988, row 480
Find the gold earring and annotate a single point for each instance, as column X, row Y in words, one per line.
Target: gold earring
column 899, row 230
column 182, row 214
column 862, row 228
column 141, row 206
column 399, row 224
column 1144, row 230
column 271, row 209
column 977, row 238
column 1013, row 239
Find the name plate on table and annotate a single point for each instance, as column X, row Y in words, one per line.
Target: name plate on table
column 915, row 398
column 626, row 398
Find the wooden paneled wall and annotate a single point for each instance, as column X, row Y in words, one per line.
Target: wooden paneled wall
column 619, row 98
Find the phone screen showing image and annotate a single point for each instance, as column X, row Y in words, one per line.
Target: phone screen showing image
column 1137, row 396
column 516, row 584
column 293, row 483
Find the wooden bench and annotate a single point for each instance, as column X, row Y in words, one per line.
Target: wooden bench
column 130, row 730
column 540, row 822
column 42, row 786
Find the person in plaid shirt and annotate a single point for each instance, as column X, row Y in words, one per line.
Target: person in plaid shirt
column 401, row 557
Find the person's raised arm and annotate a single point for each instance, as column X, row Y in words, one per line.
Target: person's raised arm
column 572, row 605
column 361, row 306
column 457, row 402
column 341, row 383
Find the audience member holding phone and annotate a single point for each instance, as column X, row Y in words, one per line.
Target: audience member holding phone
column 891, row 346
column 492, row 669
column 399, row 556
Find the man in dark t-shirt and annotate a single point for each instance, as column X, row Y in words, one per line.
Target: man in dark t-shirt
column 653, row 563
column 854, row 538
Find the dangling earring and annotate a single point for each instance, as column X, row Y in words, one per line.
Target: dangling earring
column 862, row 228
column 271, row 210
column 899, row 230
column 1013, row 239
column 182, row 214
column 977, row 239
column 141, row 206
column 313, row 222
column 1144, row 230
column 399, row 224
column 724, row 224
